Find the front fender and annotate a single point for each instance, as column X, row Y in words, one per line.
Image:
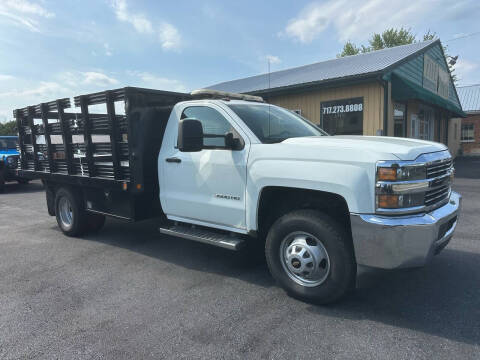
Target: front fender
column 352, row 181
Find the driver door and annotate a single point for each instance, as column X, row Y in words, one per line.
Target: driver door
column 207, row 187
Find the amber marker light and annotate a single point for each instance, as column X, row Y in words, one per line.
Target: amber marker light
column 387, row 174
column 388, row 201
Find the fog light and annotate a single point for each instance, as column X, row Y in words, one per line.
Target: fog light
column 388, row 201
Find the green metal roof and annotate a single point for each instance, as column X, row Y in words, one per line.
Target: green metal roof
column 345, row 68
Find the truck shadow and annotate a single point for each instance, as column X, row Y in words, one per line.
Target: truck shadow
column 145, row 238
column 441, row 299
column 16, row 188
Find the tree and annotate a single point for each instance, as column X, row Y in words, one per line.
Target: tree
column 391, row 38
column 8, row 128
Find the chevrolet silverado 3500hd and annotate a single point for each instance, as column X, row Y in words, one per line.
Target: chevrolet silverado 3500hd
column 228, row 169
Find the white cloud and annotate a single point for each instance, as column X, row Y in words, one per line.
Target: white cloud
column 27, row 7
column 168, row 34
column 108, row 50
column 19, row 92
column 312, row 21
column 149, row 80
column 466, row 71
column 30, row 24
column 357, row 20
column 45, row 89
column 98, row 79
column 4, row 77
column 20, row 12
column 139, row 21
column 273, row 59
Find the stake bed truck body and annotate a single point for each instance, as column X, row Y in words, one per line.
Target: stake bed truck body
column 230, row 170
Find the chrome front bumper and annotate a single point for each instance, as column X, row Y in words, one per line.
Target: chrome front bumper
column 391, row 242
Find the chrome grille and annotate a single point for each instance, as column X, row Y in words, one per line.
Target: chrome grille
column 14, row 164
column 439, row 168
column 433, row 197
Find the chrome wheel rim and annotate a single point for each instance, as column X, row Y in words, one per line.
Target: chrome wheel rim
column 304, row 259
column 65, row 212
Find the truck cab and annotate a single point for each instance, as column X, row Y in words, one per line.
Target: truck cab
column 230, row 170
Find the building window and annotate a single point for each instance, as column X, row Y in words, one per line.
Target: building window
column 342, row 117
column 399, row 120
column 467, row 134
column 423, row 124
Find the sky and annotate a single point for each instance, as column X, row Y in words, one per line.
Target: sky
column 53, row 49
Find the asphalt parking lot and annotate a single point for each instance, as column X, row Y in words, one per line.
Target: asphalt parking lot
column 129, row 292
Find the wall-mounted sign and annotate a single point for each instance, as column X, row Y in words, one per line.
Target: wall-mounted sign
column 342, row 117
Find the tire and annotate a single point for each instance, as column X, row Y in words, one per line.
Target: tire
column 311, row 256
column 69, row 211
column 95, row 222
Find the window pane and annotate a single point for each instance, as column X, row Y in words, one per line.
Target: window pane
column 213, row 123
column 399, row 119
column 467, row 132
column 273, row 124
column 8, row 143
column 342, row 117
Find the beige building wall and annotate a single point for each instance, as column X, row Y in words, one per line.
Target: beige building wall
column 454, row 128
column 309, row 103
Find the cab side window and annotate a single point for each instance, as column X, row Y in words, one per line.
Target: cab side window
column 215, row 126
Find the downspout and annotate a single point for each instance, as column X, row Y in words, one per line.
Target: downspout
column 385, row 107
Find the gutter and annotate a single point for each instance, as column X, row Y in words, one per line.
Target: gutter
column 385, row 107
column 324, row 84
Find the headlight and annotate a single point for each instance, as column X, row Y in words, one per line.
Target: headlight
column 11, row 160
column 401, row 173
column 391, row 201
column 400, row 186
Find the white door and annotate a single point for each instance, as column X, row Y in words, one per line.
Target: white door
column 206, row 186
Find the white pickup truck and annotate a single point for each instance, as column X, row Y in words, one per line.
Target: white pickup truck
column 234, row 170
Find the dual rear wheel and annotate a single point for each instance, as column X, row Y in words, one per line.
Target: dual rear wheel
column 71, row 216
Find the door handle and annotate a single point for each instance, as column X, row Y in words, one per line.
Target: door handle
column 173, row 160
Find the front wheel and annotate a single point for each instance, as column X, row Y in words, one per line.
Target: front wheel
column 311, row 256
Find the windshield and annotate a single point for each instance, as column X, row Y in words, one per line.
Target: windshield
column 272, row 124
column 8, row 143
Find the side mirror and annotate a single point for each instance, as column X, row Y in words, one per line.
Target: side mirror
column 190, row 135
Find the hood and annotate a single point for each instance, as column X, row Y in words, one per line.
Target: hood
column 402, row 148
